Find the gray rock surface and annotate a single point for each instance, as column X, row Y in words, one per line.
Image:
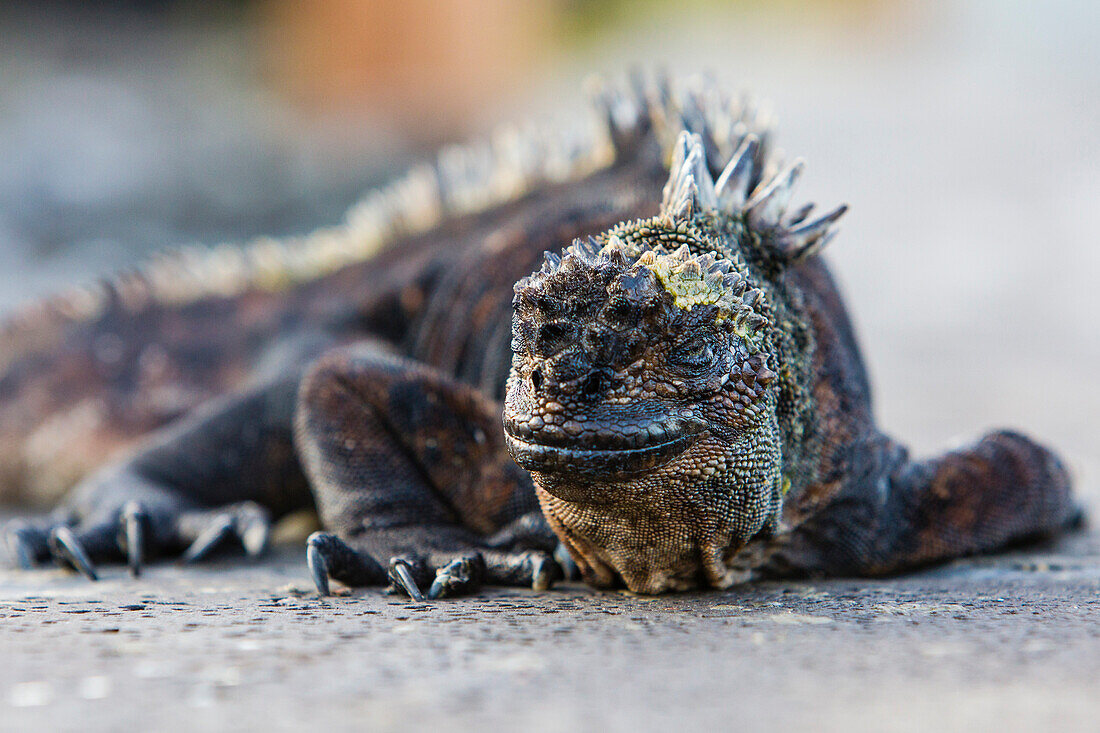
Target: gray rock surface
column 1007, row 643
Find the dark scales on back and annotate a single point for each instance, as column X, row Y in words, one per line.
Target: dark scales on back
column 684, row 403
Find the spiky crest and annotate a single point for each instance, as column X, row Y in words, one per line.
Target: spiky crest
column 762, row 205
column 648, row 110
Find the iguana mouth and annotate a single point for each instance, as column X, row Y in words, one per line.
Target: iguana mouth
column 603, row 453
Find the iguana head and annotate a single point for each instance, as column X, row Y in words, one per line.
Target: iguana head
column 641, row 395
column 622, row 361
column 638, row 380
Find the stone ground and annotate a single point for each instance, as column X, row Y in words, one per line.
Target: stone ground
column 964, row 136
column 1006, row 643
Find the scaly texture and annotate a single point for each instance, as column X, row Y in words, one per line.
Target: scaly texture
column 683, row 400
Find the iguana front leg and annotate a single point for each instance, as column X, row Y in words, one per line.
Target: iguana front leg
column 408, row 467
column 219, row 474
column 894, row 514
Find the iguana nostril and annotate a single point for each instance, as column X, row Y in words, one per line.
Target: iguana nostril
column 536, row 380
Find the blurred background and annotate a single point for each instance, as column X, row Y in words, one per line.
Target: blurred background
column 963, row 133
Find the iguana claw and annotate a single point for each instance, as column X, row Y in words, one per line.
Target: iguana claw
column 438, row 588
column 134, row 533
column 67, row 547
column 544, row 572
column 401, row 575
column 254, row 533
column 132, row 536
column 211, row 537
column 318, row 566
column 328, row 556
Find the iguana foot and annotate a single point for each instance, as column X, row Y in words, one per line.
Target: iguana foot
column 211, row 480
column 135, row 533
column 467, row 573
column 409, row 469
column 444, row 574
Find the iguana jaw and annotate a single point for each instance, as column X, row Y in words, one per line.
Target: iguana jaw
column 673, row 527
column 577, row 458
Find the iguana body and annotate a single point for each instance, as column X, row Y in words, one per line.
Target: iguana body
column 686, row 393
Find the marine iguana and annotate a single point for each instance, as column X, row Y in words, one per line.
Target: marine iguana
column 684, row 402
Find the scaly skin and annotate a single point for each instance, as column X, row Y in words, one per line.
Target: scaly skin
column 681, row 390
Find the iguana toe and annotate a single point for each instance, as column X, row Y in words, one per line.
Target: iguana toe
column 246, row 522
column 219, row 529
column 254, row 530
column 132, row 535
column 328, row 556
column 569, row 568
column 318, row 565
column 544, row 572
column 461, row 575
column 26, row 543
column 401, row 575
column 67, row 549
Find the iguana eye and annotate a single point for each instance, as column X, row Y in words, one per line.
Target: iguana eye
column 695, row 355
column 552, row 336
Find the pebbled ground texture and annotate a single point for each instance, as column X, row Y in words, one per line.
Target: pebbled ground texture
column 1010, row 642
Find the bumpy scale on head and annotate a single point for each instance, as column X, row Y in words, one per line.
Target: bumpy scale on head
column 639, row 396
column 603, row 322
